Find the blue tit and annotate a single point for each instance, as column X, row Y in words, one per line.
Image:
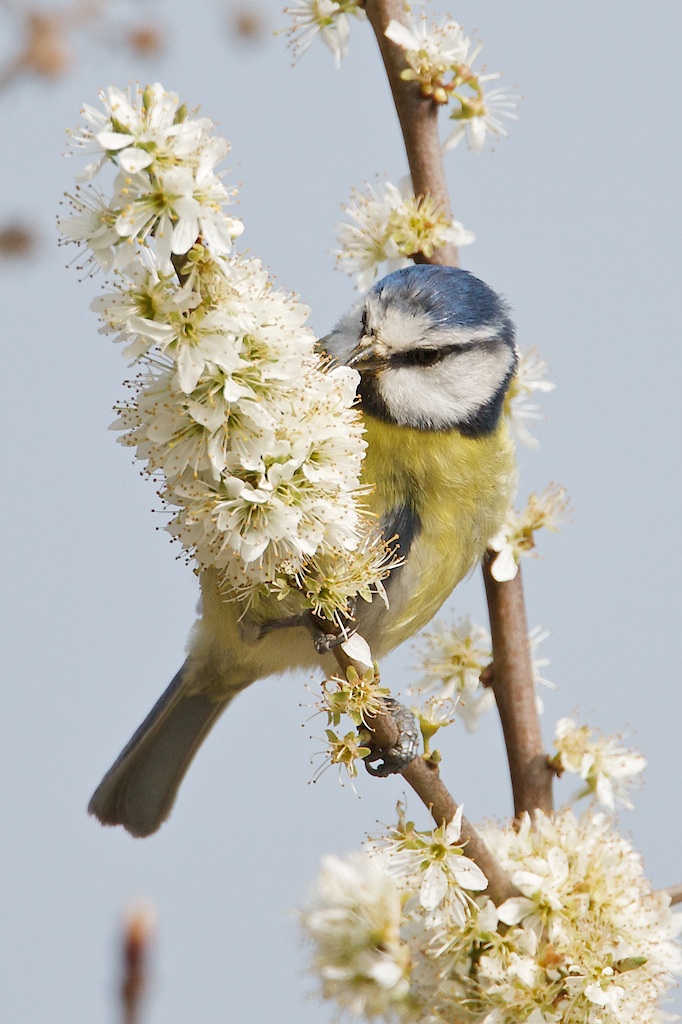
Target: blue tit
column 434, row 347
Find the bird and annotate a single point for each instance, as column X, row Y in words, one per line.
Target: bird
column 435, row 350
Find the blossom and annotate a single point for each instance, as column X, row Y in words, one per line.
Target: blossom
column 517, row 536
column 391, row 226
column 166, row 186
column 434, row 865
column 144, row 129
column 92, row 224
column 607, row 767
column 254, row 442
column 529, row 377
column 433, row 53
column 587, row 942
column 353, row 921
column 326, row 18
column 481, row 115
column 454, row 658
column 439, row 58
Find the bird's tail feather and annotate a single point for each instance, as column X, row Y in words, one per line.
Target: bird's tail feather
column 139, row 789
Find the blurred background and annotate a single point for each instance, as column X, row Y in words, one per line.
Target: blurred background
column 578, row 222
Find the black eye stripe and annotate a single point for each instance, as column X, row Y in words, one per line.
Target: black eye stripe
column 423, row 356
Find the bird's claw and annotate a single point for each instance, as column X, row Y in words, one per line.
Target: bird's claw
column 325, row 642
column 397, row 758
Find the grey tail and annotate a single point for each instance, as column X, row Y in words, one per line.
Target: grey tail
column 139, row 789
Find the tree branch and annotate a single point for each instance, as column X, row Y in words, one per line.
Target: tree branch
column 514, row 689
column 426, row 781
column 513, row 683
column 418, row 116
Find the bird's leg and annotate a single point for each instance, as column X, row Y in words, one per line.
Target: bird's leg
column 397, row 758
column 324, row 638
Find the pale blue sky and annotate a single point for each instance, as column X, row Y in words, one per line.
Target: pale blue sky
column 578, row 223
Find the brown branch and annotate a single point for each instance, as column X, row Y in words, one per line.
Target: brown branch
column 514, row 689
column 426, row 781
column 418, row 116
column 513, row 673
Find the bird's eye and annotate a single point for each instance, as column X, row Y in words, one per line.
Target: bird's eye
column 425, row 356
column 363, row 321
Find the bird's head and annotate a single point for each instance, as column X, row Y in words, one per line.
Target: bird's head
column 434, row 347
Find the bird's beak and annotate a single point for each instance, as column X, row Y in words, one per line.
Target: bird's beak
column 365, row 359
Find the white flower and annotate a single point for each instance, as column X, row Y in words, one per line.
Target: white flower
column 145, row 130
column 588, row 942
column 434, row 864
column 529, row 377
column 93, row 225
column 353, row 920
column 453, row 659
column 482, row 115
column 255, row 444
column 326, row 18
column 516, row 538
column 391, row 225
column 176, row 209
column 435, row 53
column 607, row 768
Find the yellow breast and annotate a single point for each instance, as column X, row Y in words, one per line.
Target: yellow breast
column 459, row 488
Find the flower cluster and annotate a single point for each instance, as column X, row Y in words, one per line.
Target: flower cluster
column 166, row 186
column 606, row 767
column 390, row 226
column 353, row 919
column 439, row 58
column 253, row 441
column 327, row 18
column 517, row 536
column 454, row 661
column 405, row 930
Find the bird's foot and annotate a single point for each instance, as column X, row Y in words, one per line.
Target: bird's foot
column 397, row 758
column 324, row 640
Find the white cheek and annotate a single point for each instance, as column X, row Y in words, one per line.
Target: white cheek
column 449, row 392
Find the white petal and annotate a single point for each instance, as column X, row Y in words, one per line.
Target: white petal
column 357, row 648
column 504, row 567
column 433, row 888
column 133, row 159
column 401, row 35
column 513, row 910
column 468, row 874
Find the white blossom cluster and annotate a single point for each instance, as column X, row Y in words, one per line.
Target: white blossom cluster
column 389, row 225
column 452, row 659
column 255, row 444
column 404, row 930
column 607, row 768
column 516, row 538
column 439, row 58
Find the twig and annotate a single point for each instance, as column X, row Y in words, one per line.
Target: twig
column 426, row 781
column 512, row 668
column 514, row 689
column 418, row 116
column 139, row 924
